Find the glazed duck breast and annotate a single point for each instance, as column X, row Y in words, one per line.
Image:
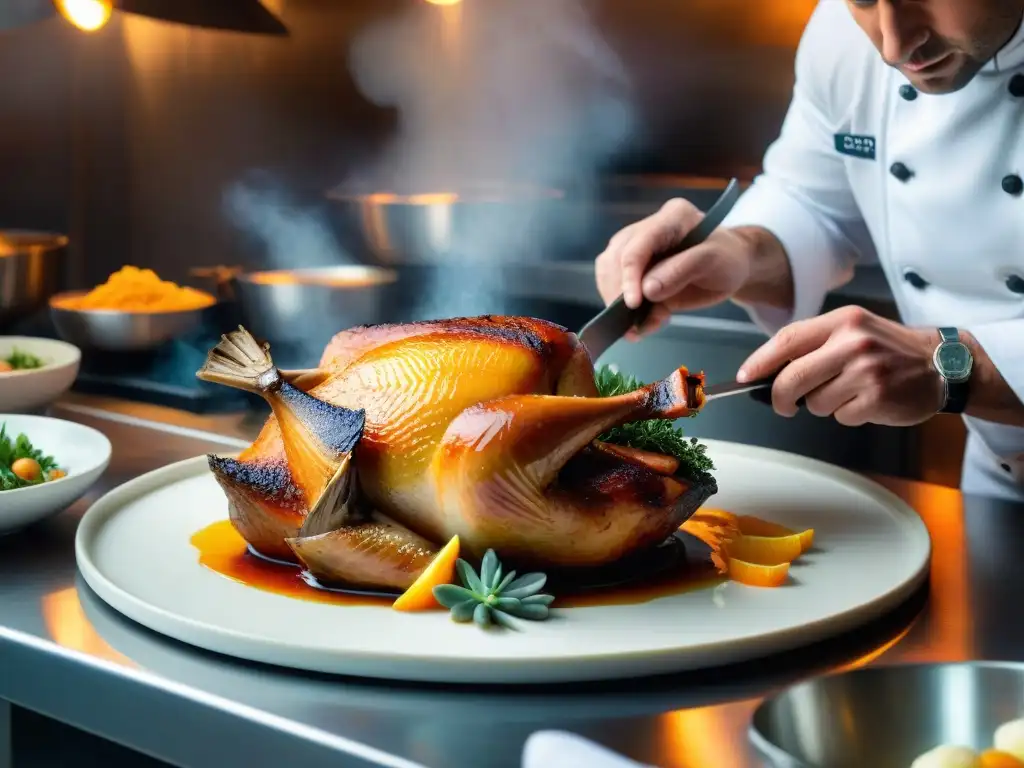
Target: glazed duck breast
column 485, row 428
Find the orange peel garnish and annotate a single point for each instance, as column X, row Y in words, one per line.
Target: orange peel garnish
column 747, row 549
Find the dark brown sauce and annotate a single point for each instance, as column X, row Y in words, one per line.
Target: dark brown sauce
column 224, row 551
column 681, row 564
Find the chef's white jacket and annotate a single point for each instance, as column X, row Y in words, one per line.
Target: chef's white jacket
column 868, row 170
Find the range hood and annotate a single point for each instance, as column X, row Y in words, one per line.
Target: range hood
column 248, row 16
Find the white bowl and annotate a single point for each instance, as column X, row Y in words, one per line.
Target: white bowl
column 29, row 390
column 81, row 451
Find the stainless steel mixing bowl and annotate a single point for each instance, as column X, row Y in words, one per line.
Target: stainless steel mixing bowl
column 298, row 310
column 31, row 268
column 427, row 228
column 887, row 716
column 119, row 331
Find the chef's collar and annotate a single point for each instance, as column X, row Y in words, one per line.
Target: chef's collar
column 1011, row 55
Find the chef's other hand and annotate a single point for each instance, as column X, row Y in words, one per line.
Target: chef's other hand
column 853, row 365
column 701, row 276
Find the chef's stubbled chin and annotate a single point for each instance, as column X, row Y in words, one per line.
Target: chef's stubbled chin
column 484, row 428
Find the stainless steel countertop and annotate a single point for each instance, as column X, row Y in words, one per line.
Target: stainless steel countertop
column 66, row 654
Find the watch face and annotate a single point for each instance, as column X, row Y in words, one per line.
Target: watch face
column 954, row 361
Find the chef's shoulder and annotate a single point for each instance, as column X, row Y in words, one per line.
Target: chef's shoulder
column 835, row 61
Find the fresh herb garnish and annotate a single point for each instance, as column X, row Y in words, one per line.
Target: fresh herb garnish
column 657, row 435
column 12, row 451
column 23, row 361
column 492, row 598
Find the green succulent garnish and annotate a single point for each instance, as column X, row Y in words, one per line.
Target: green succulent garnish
column 491, row 596
column 657, row 435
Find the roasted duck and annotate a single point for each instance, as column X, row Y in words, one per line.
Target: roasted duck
column 485, row 428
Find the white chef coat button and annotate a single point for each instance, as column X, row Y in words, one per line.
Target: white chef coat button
column 1015, row 283
column 915, row 279
column 1013, row 185
column 1016, row 86
column 900, row 171
column 908, row 92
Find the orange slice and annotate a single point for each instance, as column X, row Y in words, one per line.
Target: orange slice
column 765, row 550
column 420, row 594
column 755, row 526
column 995, row 758
column 755, row 575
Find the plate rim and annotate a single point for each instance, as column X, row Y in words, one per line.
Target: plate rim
column 423, row 666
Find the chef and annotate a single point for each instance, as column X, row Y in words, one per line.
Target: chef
column 903, row 146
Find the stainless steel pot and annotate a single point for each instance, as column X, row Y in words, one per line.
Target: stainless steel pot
column 503, row 223
column 298, row 310
column 31, row 269
column 471, row 222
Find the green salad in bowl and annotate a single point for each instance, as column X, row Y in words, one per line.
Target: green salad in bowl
column 20, row 360
column 22, row 464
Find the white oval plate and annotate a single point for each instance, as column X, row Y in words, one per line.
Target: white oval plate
column 28, row 390
column 82, row 451
column 871, row 552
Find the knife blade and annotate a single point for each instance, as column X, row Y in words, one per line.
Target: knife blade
column 611, row 324
column 759, row 389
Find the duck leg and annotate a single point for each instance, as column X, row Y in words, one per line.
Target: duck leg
column 317, row 436
column 533, row 436
column 497, row 467
column 338, row 545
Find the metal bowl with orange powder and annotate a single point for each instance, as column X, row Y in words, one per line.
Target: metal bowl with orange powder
column 134, row 310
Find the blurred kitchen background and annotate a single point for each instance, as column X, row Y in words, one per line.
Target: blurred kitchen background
column 484, row 150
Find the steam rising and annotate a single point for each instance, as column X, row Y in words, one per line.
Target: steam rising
column 291, row 236
column 493, row 90
column 489, row 94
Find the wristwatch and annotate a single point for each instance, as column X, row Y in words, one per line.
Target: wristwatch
column 954, row 361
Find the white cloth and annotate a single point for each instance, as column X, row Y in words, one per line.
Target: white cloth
column 950, row 224
column 559, row 749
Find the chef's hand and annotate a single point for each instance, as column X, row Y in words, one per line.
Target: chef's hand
column 853, row 365
column 701, row 276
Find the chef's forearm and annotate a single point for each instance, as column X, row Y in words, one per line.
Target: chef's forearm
column 771, row 277
column 991, row 398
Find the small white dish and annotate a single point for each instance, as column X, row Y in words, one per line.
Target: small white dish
column 81, row 451
column 28, row 390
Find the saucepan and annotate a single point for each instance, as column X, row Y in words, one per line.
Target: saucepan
column 31, row 269
column 893, row 715
column 464, row 221
column 298, row 310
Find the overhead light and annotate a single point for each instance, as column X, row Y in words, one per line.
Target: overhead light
column 87, row 15
column 249, row 16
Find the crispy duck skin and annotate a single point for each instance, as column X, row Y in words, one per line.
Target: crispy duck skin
column 483, row 427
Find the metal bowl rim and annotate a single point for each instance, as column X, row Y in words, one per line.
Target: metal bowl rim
column 50, row 240
column 63, row 295
column 784, row 759
column 473, row 193
column 380, row 275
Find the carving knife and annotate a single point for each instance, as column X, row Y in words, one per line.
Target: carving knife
column 759, row 389
column 612, row 323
